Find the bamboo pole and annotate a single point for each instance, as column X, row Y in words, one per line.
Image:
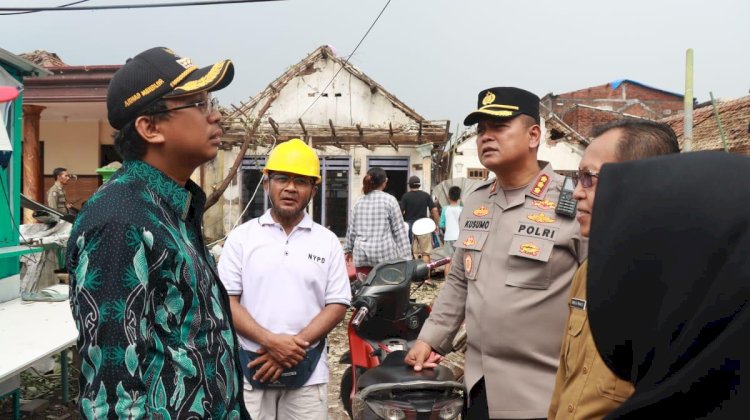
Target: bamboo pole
column 718, row 122
column 688, row 117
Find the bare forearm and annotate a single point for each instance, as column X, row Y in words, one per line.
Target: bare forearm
column 436, row 217
column 245, row 324
column 323, row 323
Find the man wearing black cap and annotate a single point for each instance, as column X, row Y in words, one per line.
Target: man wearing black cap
column 155, row 331
column 511, row 270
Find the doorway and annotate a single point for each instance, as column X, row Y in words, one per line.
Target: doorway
column 333, row 212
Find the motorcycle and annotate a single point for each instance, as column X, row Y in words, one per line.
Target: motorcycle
column 385, row 324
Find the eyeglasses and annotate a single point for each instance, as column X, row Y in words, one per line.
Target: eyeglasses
column 586, row 177
column 284, row 180
column 206, row 106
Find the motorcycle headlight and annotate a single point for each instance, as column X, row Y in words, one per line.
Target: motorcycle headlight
column 448, row 410
column 390, row 410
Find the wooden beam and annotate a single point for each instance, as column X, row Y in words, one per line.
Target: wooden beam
column 419, row 135
column 274, row 125
column 301, row 124
column 390, row 136
column 362, row 141
column 335, row 140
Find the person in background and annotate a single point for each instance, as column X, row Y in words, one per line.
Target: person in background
column 56, row 195
column 584, row 387
column 417, row 204
column 376, row 232
column 668, row 284
column 449, row 221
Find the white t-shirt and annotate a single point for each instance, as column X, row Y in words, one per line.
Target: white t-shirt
column 451, row 222
column 285, row 281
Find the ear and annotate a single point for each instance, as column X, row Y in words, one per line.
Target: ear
column 314, row 191
column 149, row 130
column 535, row 136
column 265, row 183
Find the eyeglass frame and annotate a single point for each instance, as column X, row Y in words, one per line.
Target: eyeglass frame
column 206, row 106
column 296, row 179
column 585, row 176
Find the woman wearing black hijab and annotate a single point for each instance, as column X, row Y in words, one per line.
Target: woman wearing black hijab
column 669, row 282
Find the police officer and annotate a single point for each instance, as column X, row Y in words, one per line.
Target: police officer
column 512, row 267
column 56, row 194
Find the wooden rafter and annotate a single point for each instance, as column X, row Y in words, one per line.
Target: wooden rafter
column 274, row 125
column 362, row 138
column 333, row 131
column 301, row 124
column 390, row 136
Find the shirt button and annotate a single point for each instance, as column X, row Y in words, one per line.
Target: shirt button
column 570, row 408
column 286, row 252
column 585, row 370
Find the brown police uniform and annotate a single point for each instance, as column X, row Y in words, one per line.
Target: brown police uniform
column 56, row 198
column 585, row 388
column 509, row 281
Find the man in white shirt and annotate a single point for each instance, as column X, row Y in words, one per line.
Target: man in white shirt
column 288, row 288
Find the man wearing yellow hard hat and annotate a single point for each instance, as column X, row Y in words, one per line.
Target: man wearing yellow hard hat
column 288, row 288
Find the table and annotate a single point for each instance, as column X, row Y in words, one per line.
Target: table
column 30, row 331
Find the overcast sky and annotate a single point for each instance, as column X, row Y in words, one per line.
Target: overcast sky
column 434, row 55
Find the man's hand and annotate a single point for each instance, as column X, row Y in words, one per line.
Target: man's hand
column 348, row 257
column 270, row 369
column 285, row 349
column 422, row 356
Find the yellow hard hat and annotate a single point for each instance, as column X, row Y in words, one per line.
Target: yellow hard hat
column 294, row 157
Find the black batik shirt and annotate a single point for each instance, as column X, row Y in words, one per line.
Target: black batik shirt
column 155, row 333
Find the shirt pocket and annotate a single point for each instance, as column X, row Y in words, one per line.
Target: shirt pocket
column 528, row 265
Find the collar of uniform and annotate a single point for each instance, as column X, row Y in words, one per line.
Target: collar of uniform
column 541, row 182
column 179, row 198
column 266, row 219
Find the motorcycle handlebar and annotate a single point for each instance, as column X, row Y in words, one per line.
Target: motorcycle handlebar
column 360, row 316
column 439, row 263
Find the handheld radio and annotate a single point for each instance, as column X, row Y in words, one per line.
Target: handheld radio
column 566, row 204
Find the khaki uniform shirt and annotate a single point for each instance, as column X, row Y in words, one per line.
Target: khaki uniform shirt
column 56, row 198
column 585, row 388
column 509, row 281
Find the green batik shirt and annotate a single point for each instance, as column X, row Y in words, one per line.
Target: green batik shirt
column 155, row 333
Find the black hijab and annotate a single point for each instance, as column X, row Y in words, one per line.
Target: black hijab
column 669, row 282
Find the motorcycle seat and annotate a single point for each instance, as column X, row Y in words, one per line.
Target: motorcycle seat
column 394, row 370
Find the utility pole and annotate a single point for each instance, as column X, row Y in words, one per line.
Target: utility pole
column 688, row 117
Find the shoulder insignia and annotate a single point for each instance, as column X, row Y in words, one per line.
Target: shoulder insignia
column 470, row 241
column 481, row 211
column 540, row 185
column 540, row 218
column 544, row 204
column 529, row 249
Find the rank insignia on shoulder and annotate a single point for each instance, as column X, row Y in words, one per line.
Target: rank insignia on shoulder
column 578, row 303
column 470, row 241
column 540, row 185
column 540, row 218
column 481, row 211
column 467, row 263
column 529, row 249
column 544, row 204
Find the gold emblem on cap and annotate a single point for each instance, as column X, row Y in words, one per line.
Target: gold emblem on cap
column 540, row 218
column 488, row 98
column 529, row 249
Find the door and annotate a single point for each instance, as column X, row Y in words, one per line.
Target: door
column 331, row 203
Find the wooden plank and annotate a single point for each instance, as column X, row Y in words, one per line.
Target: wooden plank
column 335, row 141
column 274, row 125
